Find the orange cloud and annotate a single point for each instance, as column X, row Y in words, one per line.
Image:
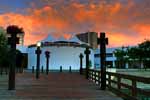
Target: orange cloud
column 123, row 27
column 121, row 39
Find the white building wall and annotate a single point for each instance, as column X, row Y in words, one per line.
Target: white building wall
column 60, row 56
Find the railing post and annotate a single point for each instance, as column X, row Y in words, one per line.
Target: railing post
column 38, row 52
column 134, row 86
column 109, row 80
column 47, row 55
column 32, row 69
column 92, row 74
column 103, row 41
column 81, row 69
column 118, row 82
column 87, row 53
column 70, row 69
column 95, row 74
column 42, row 70
column 99, row 78
column 60, row 68
column 1, row 71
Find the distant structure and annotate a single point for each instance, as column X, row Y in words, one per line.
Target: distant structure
column 64, row 53
column 110, row 58
column 89, row 37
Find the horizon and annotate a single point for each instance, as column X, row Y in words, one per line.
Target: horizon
column 125, row 22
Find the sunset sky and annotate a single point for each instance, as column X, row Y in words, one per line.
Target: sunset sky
column 125, row 22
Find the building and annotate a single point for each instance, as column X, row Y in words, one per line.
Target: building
column 112, row 62
column 110, row 58
column 63, row 53
column 90, row 38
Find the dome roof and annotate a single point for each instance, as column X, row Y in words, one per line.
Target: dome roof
column 75, row 39
column 49, row 38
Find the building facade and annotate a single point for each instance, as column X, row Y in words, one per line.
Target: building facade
column 90, row 38
column 63, row 53
column 110, row 58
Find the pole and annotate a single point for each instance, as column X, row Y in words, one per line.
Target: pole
column 87, row 52
column 47, row 55
column 47, row 65
column 103, row 41
column 11, row 82
column 38, row 52
column 81, row 57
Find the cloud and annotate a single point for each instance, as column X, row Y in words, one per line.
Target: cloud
column 120, row 19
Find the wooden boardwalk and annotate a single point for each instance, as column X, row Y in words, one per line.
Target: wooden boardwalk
column 55, row 86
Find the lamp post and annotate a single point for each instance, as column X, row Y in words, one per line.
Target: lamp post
column 87, row 52
column 81, row 57
column 103, row 41
column 47, row 55
column 38, row 52
column 13, row 30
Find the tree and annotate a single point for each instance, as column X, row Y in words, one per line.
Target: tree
column 3, row 49
column 145, row 52
column 14, row 29
column 140, row 53
column 135, row 54
column 120, row 54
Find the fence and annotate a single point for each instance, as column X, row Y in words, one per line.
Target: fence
column 124, row 85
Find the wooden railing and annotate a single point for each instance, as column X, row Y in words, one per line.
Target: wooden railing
column 117, row 83
column 94, row 75
column 4, row 70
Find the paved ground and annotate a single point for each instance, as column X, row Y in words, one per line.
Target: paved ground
column 55, row 86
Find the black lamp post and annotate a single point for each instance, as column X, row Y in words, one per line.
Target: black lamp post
column 81, row 57
column 13, row 30
column 103, row 41
column 47, row 55
column 38, row 52
column 87, row 52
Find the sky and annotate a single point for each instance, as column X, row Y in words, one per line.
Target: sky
column 125, row 22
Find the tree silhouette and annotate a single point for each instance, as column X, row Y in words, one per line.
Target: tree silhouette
column 145, row 52
column 4, row 50
column 14, row 29
column 120, row 54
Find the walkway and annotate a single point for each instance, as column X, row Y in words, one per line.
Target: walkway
column 55, row 86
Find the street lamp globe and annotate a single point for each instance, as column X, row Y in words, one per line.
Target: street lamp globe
column 38, row 44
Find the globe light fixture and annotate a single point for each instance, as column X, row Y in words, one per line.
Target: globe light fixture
column 38, row 44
